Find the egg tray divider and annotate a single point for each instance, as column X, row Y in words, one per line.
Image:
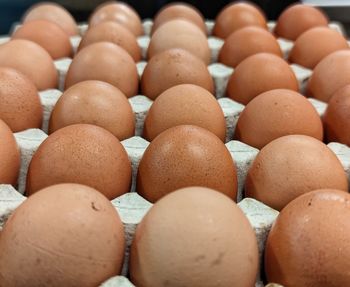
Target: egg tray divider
column 131, row 206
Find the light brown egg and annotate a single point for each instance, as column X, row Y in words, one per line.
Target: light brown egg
column 291, row 166
column 105, row 62
column 194, row 237
column 9, row 156
column 35, row 63
column 308, row 54
column 238, row 15
column 277, row 113
column 114, row 33
column 84, row 154
column 118, row 12
column 52, row 12
column 64, row 235
column 246, row 42
column 185, row 105
column 185, row 156
column 260, row 73
column 329, row 75
column 297, row 19
column 97, row 103
column 20, row 105
column 174, row 67
column 308, row 244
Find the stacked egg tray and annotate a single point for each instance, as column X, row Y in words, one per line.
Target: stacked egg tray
column 131, row 206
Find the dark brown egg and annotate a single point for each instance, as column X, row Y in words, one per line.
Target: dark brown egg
column 64, row 235
column 83, row 154
column 174, row 67
column 105, row 62
column 291, row 166
column 260, row 73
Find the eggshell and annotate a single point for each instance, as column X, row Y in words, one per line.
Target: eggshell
column 20, row 103
column 260, row 73
column 308, row 54
column 105, row 62
column 185, row 156
column 32, row 60
column 246, row 42
column 185, row 105
column 309, row 242
column 238, row 15
column 194, row 237
column 84, row 154
column 52, row 12
column 297, row 19
column 277, row 113
column 97, row 103
column 291, row 166
column 65, row 235
column 182, row 34
column 174, row 67
column 114, row 33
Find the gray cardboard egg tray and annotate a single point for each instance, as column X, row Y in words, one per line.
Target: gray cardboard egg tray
column 132, row 207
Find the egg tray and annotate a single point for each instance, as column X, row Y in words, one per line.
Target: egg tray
column 131, row 206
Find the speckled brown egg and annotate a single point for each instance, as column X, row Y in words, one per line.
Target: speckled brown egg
column 84, row 154
column 114, row 33
column 246, row 42
column 185, row 105
column 36, row 63
column 20, row 103
column 64, row 235
column 260, row 73
column 9, row 156
column 52, row 12
column 97, row 103
column 238, row 15
column 291, row 166
column 309, row 243
column 105, row 62
column 185, row 156
column 174, row 67
column 297, row 19
column 194, row 237
column 307, row 54
column 277, row 113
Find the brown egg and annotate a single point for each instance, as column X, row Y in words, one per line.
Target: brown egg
column 291, row 166
column 64, row 235
column 174, row 67
column 185, row 156
column 36, row 63
column 105, row 62
column 97, row 103
column 260, row 73
column 307, row 54
column 185, row 105
column 118, row 12
column 238, row 15
column 114, row 33
column 329, row 75
column 246, row 42
column 179, row 11
column 297, row 19
column 52, row 12
column 20, row 105
column 277, row 113
column 309, row 243
column 9, row 156
column 84, row 154
column 181, row 34
column 194, row 237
